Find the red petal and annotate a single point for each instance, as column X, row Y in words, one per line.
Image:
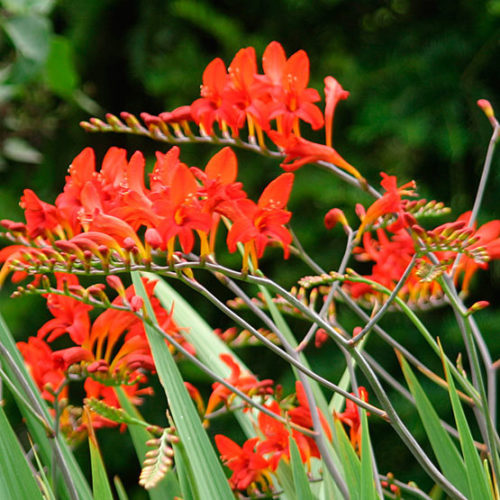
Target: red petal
column 277, row 192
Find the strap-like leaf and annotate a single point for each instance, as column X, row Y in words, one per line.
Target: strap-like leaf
column 300, row 480
column 449, row 459
column 207, row 470
column 100, row 483
column 368, row 491
column 350, row 460
column 478, row 483
column 16, row 477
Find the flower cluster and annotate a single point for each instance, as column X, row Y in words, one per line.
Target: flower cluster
column 458, row 246
column 110, row 351
column 254, row 462
column 272, row 103
column 100, row 216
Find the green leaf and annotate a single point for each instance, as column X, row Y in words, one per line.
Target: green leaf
column 120, row 490
column 60, row 70
column 44, row 444
column 169, row 487
column 26, row 6
column 478, row 482
column 368, row 491
column 207, row 471
column 300, row 480
column 350, row 461
column 16, row 477
column 284, row 476
column 17, row 149
column 184, row 473
column 100, row 484
column 447, row 455
column 30, row 35
column 208, row 346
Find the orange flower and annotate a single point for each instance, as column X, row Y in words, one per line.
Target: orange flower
column 350, row 417
column 390, row 202
column 300, row 151
column 255, row 225
column 334, row 93
column 248, row 465
column 246, row 383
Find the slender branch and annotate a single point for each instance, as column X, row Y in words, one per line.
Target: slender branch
column 407, row 395
column 58, row 456
column 378, row 316
column 5, row 378
column 319, row 436
column 403, row 432
column 273, row 347
column 481, row 188
column 407, row 488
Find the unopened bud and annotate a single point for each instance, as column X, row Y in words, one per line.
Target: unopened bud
column 335, row 216
column 487, row 108
column 477, row 306
column 153, row 238
column 136, row 303
column 116, row 283
column 356, row 331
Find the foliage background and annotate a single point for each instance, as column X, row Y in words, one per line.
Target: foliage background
column 414, row 69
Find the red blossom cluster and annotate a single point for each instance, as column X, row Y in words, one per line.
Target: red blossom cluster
column 110, row 351
column 102, row 215
column 254, row 462
column 259, row 457
column 394, row 246
column 273, row 103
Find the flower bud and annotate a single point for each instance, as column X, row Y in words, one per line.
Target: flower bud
column 333, row 217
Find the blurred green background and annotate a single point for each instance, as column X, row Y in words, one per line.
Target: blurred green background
column 414, row 70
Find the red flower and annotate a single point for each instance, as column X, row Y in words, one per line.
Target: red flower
column 248, row 465
column 301, row 415
column 246, row 383
column 390, row 202
column 291, row 78
column 42, row 367
column 70, row 315
column 334, row 93
column 277, row 436
column 300, row 151
column 255, row 225
column 350, row 417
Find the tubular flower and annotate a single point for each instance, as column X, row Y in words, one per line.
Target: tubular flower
column 301, row 415
column 45, row 371
column 272, row 102
column 246, row 383
column 255, row 225
column 390, row 202
column 334, row 93
column 248, row 465
column 350, row 417
column 300, row 151
column 276, row 437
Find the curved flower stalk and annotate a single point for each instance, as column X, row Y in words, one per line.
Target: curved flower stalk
column 111, row 351
column 272, row 104
column 98, row 219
